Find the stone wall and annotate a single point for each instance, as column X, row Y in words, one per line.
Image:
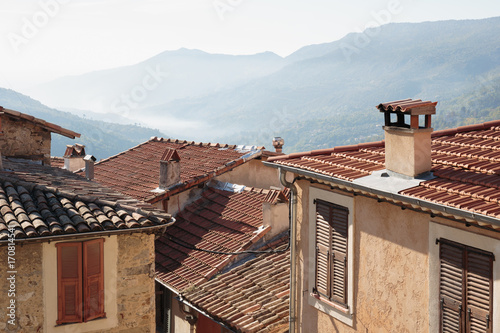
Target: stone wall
column 23, row 139
column 135, row 285
column 29, row 313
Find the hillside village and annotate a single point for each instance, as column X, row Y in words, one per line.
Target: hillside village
column 398, row 235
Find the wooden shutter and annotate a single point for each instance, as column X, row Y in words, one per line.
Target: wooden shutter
column 69, row 282
column 323, row 246
column 331, row 251
column 479, row 291
column 339, row 249
column 451, row 287
column 466, row 288
column 93, row 279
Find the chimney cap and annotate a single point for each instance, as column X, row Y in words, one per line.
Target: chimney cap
column 409, row 106
column 278, row 141
column 170, row 155
column 89, row 158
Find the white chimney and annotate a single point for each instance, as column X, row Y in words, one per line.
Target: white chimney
column 89, row 166
column 408, row 145
column 170, row 169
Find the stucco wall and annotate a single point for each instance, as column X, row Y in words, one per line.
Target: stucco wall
column 128, row 287
column 390, row 269
column 254, row 174
column 23, row 138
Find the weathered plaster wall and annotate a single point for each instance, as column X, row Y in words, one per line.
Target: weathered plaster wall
column 254, row 174
column 390, row 269
column 28, row 289
column 128, row 287
column 23, row 138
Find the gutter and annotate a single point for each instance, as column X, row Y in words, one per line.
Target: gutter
column 292, row 245
column 162, row 228
column 445, row 210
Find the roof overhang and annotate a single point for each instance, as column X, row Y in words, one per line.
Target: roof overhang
column 389, row 196
column 40, row 122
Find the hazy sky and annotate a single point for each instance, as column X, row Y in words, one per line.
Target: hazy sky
column 44, row 39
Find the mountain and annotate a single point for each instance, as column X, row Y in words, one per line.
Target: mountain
column 168, row 76
column 320, row 96
column 102, row 139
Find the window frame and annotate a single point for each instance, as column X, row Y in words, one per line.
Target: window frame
column 439, row 231
column 343, row 313
column 82, row 283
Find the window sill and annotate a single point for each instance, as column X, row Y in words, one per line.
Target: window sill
column 338, row 307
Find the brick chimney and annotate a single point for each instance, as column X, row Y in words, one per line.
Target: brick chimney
column 278, row 144
column 170, row 169
column 408, row 144
column 73, row 157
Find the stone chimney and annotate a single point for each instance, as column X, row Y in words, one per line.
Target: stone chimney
column 89, row 166
column 170, row 169
column 408, row 144
column 73, row 157
column 278, row 144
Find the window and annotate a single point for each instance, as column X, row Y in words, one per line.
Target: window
column 465, row 288
column 331, row 252
column 80, row 281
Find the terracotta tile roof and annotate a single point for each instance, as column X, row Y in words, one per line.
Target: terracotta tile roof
column 253, row 297
column 222, row 221
column 40, row 201
column 40, row 122
column 56, row 162
column 465, row 162
column 136, row 171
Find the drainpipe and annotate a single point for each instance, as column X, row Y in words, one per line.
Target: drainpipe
column 293, row 237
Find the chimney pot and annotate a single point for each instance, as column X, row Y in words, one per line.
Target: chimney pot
column 278, row 144
column 407, row 144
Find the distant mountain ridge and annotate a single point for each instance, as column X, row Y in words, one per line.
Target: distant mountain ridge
column 321, row 95
column 102, row 139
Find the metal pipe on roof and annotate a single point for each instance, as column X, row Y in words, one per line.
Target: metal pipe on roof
column 292, row 244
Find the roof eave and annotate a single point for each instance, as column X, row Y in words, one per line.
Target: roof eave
column 425, row 205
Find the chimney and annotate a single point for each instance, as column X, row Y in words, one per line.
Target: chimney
column 170, row 169
column 408, row 145
column 73, row 157
column 89, row 166
column 278, row 144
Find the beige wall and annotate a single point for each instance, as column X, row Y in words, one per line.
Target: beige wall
column 253, row 174
column 390, row 269
column 23, row 138
column 128, row 282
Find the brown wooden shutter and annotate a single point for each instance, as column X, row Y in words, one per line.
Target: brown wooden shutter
column 331, row 251
column 466, row 288
column 479, row 291
column 339, row 249
column 323, row 245
column 69, row 282
column 93, row 279
column 451, row 287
